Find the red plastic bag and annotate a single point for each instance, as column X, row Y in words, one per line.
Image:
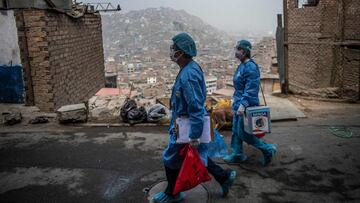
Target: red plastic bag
column 192, row 172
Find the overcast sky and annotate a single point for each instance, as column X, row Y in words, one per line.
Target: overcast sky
column 229, row 15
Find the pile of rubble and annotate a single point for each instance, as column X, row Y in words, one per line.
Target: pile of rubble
column 105, row 108
column 12, row 114
column 99, row 109
column 114, row 109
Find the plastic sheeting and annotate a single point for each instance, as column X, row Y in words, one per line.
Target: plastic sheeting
column 217, row 148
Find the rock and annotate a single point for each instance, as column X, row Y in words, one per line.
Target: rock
column 101, row 113
column 12, row 118
column 105, row 108
column 100, row 102
column 76, row 113
column 39, row 119
column 92, row 100
column 114, row 107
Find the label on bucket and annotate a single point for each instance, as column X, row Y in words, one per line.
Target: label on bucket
column 257, row 120
column 260, row 123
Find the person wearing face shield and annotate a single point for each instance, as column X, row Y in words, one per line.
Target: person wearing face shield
column 247, row 84
column 188, row 101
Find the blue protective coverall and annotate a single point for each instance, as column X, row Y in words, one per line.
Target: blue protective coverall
column 187, row 100
column 246, row 84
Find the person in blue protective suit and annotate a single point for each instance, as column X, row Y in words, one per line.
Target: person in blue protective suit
column 188, row 101
column 246, row 84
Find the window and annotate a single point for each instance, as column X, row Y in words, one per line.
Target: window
column 306, row 3
column 312, row 3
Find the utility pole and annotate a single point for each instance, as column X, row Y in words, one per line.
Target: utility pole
column 280, row 52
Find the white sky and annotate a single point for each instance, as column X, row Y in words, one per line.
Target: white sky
column 228, row 15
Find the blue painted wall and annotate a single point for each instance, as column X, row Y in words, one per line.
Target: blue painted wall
column 11, row 84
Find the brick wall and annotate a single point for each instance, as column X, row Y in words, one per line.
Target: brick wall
column 304, row 58
column 303, row 26
column 318, row 54
column 351, row 60
column 352, row 19
column 351, row 67
column 65, row 56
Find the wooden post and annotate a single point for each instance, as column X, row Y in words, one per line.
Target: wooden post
column 286, row 47
column 280, row 52
column 25, row 59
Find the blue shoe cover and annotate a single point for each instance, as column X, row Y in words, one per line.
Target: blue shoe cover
column 269, row 155
column 162, row 197
column 225, row 187
column 235, row 159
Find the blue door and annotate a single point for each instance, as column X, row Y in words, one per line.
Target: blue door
column 11, row 84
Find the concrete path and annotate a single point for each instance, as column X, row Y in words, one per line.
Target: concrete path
column 281, row 108
column 120, row 164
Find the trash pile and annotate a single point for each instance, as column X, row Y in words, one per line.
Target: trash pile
column 133, row 114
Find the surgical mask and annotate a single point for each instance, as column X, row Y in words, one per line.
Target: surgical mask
column 240, row 54
column 172, row 55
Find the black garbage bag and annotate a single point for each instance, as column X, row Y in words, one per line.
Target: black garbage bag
column 156, row 113
column 132, row 114
column 128, row 105
column 137, row 115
